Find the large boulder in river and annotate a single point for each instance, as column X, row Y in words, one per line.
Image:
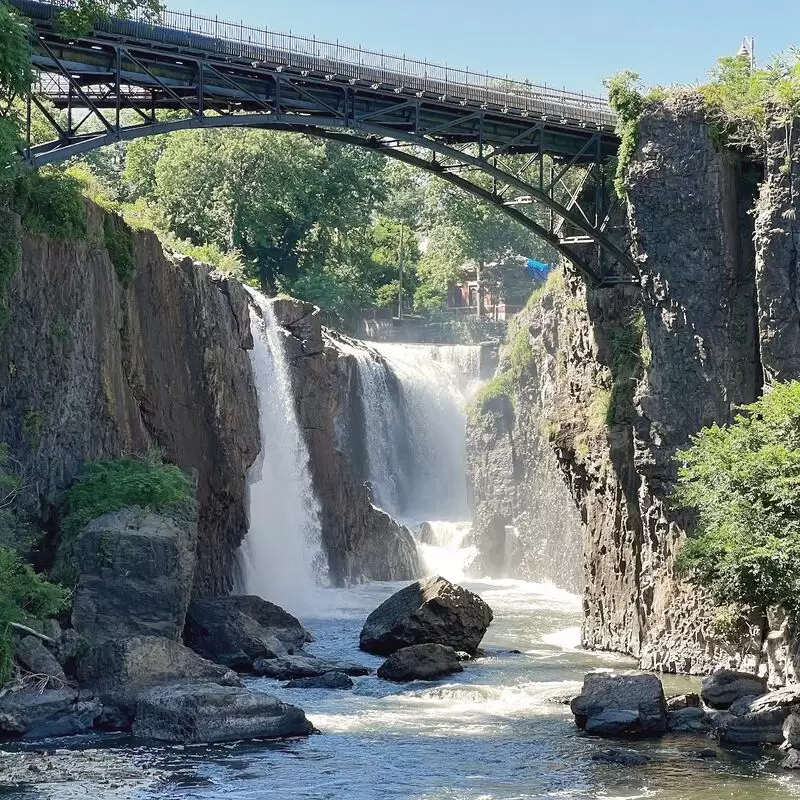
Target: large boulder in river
column 210, row 713
column 122, row 670
column 424, row 662
column 135, row 575
column 621, row 706
column 237, row 630
column 303, row 665
column 37, row 714
column 427, row 611
column 725, row 686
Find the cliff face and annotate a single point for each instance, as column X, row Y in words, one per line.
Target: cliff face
column 93, row 370
column 524, row 520
column 361, row 542
column 638, row 371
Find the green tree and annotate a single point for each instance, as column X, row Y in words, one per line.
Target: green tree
column 744, row 481
column 15, row 82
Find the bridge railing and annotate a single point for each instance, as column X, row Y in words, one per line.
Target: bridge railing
column 260, row 44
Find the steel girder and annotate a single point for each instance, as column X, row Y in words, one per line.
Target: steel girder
column 534, row 164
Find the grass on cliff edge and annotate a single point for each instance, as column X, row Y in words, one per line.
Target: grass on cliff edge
column 744, row 481
column 106, row 486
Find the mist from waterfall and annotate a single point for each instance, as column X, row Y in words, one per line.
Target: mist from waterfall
column 282, row 550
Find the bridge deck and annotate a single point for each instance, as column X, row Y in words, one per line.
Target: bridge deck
column 238, row 69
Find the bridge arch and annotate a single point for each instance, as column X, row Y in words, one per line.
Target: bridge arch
column 459, row 127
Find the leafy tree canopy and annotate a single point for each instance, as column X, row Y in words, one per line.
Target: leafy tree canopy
column 744, row 481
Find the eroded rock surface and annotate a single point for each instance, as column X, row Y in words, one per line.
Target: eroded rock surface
column 239, row 629
column 136, row 572
column 428, row 611
column 424, row 662
column 212, row 713
column 627, row 705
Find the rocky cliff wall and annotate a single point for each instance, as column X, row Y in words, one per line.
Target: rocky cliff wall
column 360, row 541
column 621, row 378
column 93, row 370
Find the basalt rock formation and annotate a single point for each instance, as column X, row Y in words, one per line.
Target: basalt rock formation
column 618, row 380
column 360, row 541
column 93, row 369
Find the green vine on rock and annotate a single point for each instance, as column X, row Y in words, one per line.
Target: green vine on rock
column 626, row 98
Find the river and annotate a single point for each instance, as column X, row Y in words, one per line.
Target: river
column 498, row 731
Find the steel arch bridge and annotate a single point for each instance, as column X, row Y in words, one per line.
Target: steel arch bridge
column 543, row 149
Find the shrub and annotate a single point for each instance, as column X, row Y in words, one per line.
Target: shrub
column 119, row 244
column 51, row 203
column 25, row 597
column 744, row 481
column 105, row 486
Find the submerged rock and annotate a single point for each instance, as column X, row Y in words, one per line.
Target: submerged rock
column 133, row 561
column 625, row 758
column 625, row 705
column 238, row 630
column 211, row 713
column 427, row 611
column 792, row 760
column 330, row 680
column 425, row 662
column 725, row 686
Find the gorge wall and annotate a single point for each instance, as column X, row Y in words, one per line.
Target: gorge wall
column 96, row 369
column 619, row 379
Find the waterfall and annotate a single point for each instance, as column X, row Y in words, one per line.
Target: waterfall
column 282, row 550
column 445, row 551
column 413, row 399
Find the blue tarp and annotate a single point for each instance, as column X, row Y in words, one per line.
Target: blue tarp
column 537, row 269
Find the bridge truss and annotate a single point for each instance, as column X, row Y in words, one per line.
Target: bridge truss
column 542, row 156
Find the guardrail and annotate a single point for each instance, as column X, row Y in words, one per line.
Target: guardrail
column 333, row 58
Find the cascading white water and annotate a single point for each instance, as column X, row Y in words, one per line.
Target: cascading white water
column 280, row 554
column 444, row 549
column 414, row 423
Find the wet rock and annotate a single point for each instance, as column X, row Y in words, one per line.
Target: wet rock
column 792, row 760
column 791, row 729
column 12, row 725
column 39, row 714
column 786, row 698
column 425, row 662
column 330, row 680
column 626, row 705
column 120, row 671
column 428, row 611
column 625, row 758
column 211, row 713
column 237, row 630
column 681, row 701
column 755, row 727
column 304, row 666
column 688, row 720
column 36, row 658
column 723, row 687
column 742, row 705
column 702, row 753
column 131, row 559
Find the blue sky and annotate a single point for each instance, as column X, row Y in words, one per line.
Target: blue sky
column 573, row 44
